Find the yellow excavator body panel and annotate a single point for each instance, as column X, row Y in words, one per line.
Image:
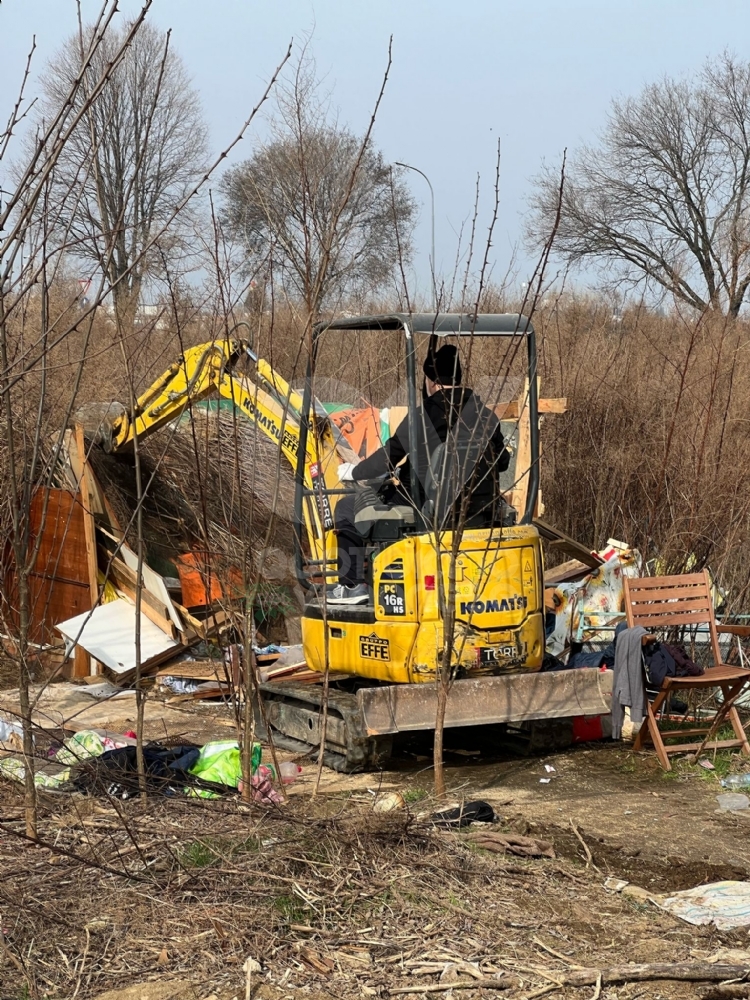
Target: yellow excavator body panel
column 398, row 637
column 499, row 613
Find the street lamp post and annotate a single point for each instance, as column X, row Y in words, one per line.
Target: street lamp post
column 408, row 166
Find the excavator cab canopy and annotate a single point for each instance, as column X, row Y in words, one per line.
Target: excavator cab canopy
column 437, row 326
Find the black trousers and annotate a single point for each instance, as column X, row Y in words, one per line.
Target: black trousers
column 351, row 543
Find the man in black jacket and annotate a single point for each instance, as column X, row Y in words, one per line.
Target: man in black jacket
column 448, row 408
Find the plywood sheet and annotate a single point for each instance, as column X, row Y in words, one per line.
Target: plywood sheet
column 108, row 634
column 59, row 582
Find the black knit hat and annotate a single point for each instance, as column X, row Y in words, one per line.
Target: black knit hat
column 443, row 367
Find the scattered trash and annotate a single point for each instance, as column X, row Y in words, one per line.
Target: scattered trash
column 736, row 781
column 289, row 772
column 106, row 690
column 389, row 802
column 708, row 765
column 544, row 781
column 725, row 904
column 464, row 815
column 615, row 884
column 512, row 843
column 732, row 802
column 11, row 733
column 95, row 761
column 549, row 769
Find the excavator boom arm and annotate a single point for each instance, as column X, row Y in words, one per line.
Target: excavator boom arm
column 273, row 406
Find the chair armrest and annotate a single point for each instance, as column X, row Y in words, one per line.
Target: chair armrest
column 741, row 630
column 647, row 638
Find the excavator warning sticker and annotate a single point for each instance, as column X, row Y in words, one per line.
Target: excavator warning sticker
column 372, row 647
column 392, row 599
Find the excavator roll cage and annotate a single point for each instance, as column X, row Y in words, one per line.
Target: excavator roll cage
column 437, row 326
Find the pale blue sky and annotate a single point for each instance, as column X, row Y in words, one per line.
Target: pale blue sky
column 537, row 74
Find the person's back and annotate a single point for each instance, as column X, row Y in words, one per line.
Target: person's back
column 463, row 473
column 452, row 416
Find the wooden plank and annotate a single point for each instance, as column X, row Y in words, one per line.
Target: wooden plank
column 82, row 471
column 200, row 670
column 125, row 577
column 690, row 589
column 204, row 628
column 565, row 571
column 81, row 661
column 396, row 415
column 685, row 747
column 641, row 598
column 648, row 582
column 685, row 732
column 657, row 607
column 652, row 621
column 523, row 453
column 567, row 544
column 512, row 409
column 59, row 583
column 165, row 624
column 151, row 582
column 741, row 630
column 89, row 528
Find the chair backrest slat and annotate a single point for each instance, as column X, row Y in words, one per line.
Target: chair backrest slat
column 658, row 582
column 666, row 601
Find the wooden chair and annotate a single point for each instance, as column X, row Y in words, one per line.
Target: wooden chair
column 663, row 603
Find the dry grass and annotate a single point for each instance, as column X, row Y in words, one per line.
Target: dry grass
column 654, row 448
column 325, row 894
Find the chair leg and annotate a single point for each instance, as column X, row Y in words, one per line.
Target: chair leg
column 730, row 692
column 650, row 716
column 650, row 729
column 739, row 731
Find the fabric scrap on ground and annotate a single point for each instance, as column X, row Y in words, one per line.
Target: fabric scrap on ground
column 512, row 843
column 725, row 904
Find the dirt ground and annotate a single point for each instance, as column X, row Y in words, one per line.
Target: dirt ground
column 168, row 897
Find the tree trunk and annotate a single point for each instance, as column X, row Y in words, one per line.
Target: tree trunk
column 30, row 802
column 447, row 605
column 125, row 300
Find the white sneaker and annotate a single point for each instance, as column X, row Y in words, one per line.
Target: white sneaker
column 341, row 594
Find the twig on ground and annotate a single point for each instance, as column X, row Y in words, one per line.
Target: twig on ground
column 589, row 857
column 556, row 954
column 691, row 972
column 469, row 984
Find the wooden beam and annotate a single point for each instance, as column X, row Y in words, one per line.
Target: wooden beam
column 565, row 571
column 512, row 409
column 125, row 580
column 567, row 544
column 89, row 530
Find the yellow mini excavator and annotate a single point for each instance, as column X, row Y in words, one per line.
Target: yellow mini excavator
column 390, row 647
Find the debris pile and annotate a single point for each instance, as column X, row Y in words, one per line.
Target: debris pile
column 197, row 553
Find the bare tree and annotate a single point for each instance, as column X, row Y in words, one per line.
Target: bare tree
column 34, row 412
column 46, row 333
column 314, row 206
column 134, row 155
column 664, row 198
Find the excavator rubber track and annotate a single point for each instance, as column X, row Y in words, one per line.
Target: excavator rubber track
column 293, row 713
column 362, row 723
